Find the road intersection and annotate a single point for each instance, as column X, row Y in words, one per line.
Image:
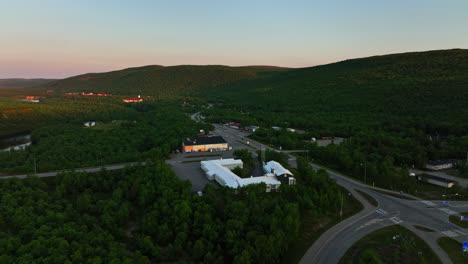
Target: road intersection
column 333, row 244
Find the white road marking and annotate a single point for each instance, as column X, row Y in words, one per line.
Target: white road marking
column 459, row 205
column 448, row 211
column 371, row 222
column 428, row 203
column 449, row 233
column 460, row 232
column 396, row 220
column 381, row 212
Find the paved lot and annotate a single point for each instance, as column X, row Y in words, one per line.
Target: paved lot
column 187, row 165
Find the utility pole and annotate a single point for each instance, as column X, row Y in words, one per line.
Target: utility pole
column 35, row 167
column 341, row 208
column 365, row 172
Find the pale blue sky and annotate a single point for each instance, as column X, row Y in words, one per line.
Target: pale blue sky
column 60, row 38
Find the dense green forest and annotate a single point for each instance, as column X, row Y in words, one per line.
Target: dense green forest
column 138, row 133
column 147, row 214
column 399, row 110
column 158, row 81
column 19, row 117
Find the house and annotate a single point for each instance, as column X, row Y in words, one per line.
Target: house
column 441, row 164
column 276, row 128
column 283, row 174
column 206, row 143
column 220, row 171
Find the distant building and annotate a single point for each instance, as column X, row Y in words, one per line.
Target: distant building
column 440, row 164
column 89, row 123
column 208, row 143
column 95, row 94
column 251, row 128
column 276, row 128
column 234, row 125
column 220, row 171
column 132, row 100
column 436, row 180
column 31, row 99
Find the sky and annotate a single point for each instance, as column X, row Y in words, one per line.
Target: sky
column 62, row 38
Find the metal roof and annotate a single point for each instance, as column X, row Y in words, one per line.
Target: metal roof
column 441, row 162
column 204, row 141
column 225, row 177
column 277, row 167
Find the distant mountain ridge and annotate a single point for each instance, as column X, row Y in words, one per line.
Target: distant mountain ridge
column 430, row 85
column 159, row 80
column 23, row 82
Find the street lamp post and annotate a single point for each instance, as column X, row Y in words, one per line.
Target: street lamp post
column 365, row 172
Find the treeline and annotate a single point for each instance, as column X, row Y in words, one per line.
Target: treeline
column 147, row 215
column 247, row 160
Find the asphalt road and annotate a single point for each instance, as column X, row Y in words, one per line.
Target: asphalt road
column 333, row 244
column 89, row 169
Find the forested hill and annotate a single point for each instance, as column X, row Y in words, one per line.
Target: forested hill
column 159, row 80
column 429, row 85
column 18, row 82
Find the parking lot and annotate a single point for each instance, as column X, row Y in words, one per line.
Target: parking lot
column 187, row 165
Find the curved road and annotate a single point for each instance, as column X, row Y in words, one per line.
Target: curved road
column 334, row 243
column 88, row 169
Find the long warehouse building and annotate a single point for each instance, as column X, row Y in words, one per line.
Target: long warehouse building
column 220, row 171
column 208, row 143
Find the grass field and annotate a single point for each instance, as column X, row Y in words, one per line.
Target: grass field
column 453, row 249
column 383, row 246
column 312, row 228
column 455, row 219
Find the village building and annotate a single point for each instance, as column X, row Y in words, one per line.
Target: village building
column 435, row 165
column 220, row 171
column 281, row 173
column 204, row 143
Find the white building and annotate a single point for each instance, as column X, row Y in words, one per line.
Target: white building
column 220, row 171
column 279, row 171
column 440, row 164
column 89, row 123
